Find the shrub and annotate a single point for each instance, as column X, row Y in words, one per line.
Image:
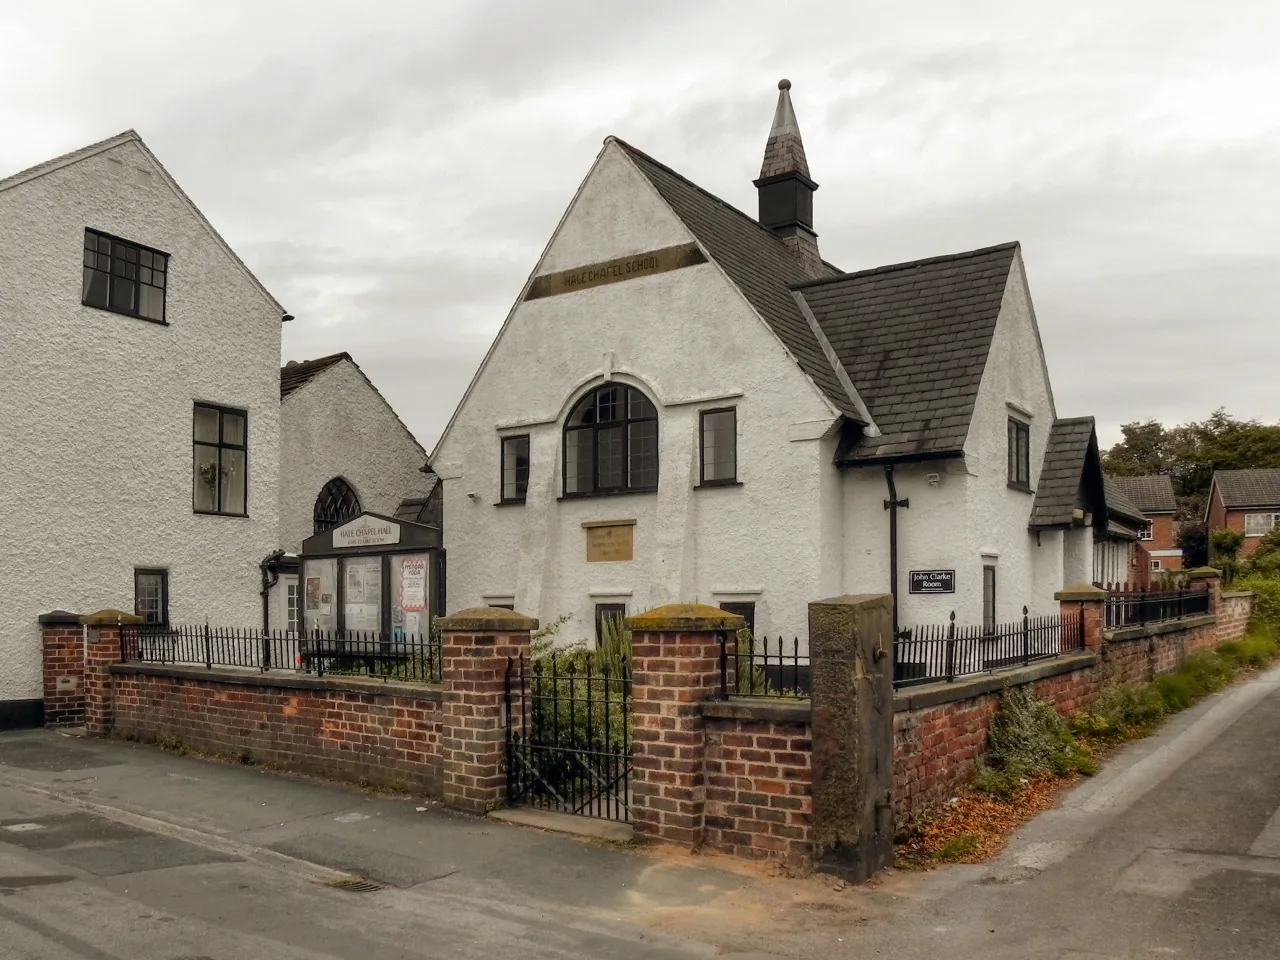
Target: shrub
column 1266, row 603
column 1120, row 712
column 1193, row 538
column 1257, row 649
column 1028, row 738
column 1226, row 543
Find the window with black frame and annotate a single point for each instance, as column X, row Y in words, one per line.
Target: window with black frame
column 611, row 443
column 719, row 442
column 515, row 469
column 220, row 460
column 743, row 609
column 1019, row 454
column 124, row 277
column 336, row 503
column 151, row 596
column 988, row 599
column 609, row 616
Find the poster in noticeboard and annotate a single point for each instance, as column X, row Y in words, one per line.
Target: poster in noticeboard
column 413, row 584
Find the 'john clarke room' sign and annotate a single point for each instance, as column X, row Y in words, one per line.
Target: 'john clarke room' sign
column 932, row 581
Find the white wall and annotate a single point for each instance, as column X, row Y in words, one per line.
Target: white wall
column 337, row 425
column 96, row 411
column 691, row 342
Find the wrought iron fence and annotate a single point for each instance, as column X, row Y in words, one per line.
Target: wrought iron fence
column 934, row 652
column 760, row 667
column 1129, row 606
column 411, row 657
column 569, row 733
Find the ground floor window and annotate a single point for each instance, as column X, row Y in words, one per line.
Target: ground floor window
column 988, row 598
column 1155, row 566
column 151, row 595
column 292, row 608
column 609, row 617
column 743, row 609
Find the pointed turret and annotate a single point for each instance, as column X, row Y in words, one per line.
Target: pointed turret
column 786, row 191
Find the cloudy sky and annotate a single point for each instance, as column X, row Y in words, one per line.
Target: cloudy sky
column 392, row 170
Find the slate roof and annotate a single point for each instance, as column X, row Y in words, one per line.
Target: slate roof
column 1248, row 488
column 1118, row 503
column 914, row 339
column 757, row 262
column 1065, row 457
column 1151, row 494
column 298, row 373
column 414, row 509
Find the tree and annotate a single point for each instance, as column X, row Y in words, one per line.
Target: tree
column 1193, row 538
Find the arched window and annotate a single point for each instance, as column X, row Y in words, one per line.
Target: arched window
column 336, row 504
column 611, row 443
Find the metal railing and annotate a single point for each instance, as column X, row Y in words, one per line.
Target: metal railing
column 1137, row 606
column 411, row 657
column 929, row 653
column 760, row 667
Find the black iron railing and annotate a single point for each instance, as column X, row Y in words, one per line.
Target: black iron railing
column 760, row 667
column 411, row 657
column 1137, row 605
column 569, row 734
column 935, row 652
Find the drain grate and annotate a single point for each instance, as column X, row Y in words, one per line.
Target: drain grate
column 356, row 885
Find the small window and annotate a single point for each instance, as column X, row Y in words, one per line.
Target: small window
column 336, row 504
column 151, row 596
column 607, row 615
column 988, row 599
column 515, row 468
column 719, row 446
column 124, row 277
column 1260, row 524
column 747, row 611
column 1019, row 454
column 220, row 468
column 1146, row 532
column 292, row 614
column 1155, row 566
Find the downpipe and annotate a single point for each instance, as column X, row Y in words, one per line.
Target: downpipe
column 270, row 567
column 892, row 505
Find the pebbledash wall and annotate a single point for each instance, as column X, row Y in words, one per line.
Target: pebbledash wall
column 730, row 775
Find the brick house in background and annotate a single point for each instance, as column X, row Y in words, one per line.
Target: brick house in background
column 1244, row 500
column 1154, row 497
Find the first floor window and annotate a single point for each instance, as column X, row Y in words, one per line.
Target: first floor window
column 220, row 455
column 151, row 596
column 515, row 468
column 1155, row 566
column 988, row 598
column 123, row 277
column 1146, row 533
column 719, row 446
column 609, row 617
column 1260, row 524
column 747, row 611
column 292, row 608
column 1019, row 454
column 611, row 443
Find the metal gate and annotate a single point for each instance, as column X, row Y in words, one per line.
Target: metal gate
column 569, row 734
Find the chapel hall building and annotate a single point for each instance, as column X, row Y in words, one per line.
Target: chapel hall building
column 688, row 403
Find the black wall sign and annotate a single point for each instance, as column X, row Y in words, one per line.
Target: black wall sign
column 932, row 581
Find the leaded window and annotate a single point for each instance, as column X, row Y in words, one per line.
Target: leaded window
column 336, row 505
column 151, row 596
column 611, row 443
column 220, row 469
column 124, row 277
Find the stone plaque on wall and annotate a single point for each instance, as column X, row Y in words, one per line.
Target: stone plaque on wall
column 609, row 540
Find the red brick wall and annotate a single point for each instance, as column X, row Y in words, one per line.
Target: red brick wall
column 1216, row 518
column 759, row 788
column 1234, row 611
column 353, row 731
column 63, row 675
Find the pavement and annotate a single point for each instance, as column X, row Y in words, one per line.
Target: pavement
column 119, row 851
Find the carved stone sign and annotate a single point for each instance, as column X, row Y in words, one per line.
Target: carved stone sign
column 610, row 540
column 614, row 271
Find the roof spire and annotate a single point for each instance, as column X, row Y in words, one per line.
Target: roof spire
column 784, row 151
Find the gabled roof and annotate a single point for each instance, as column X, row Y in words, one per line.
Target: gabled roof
column 1119, row 506
column 757, row 262
column 93, row 149
column 914, row 339
column 298, row 373
column 1241, row 489
column 1065, row 458
column 1150, row 494
column 414, row 509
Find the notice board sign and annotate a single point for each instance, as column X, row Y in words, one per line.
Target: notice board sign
column 932, row 581
column 609, row 541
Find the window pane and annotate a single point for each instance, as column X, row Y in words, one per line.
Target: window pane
column 608, row 405
column 122, row 293
column 718, row 445
column 577, row 461
column 232, row 428
column 90, row 258
column 206, row 425
column 609, row 459
column 233, row 481
column 643, row 454
column 584, row 412
column 638, row 405
column 151, row 305
column 90, row 240
column 104, row 245
column 146, row 258
column 205, row 479
column 94, row 290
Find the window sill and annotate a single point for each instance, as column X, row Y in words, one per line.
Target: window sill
column 1020, row 487
column 215, row 513
column 706, row 484
column 509, row 503
column 125, row 313
column 608, row 493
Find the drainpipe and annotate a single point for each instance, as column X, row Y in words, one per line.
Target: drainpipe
column 270, row 567
column 892, row 505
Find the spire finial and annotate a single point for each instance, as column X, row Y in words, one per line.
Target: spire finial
column 784, row 84
column 784, row 152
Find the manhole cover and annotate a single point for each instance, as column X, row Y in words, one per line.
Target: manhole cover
column 356, row 885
